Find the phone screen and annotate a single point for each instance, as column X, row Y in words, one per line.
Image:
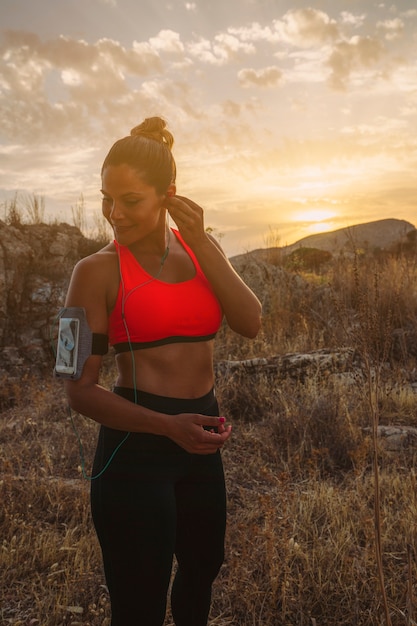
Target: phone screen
column 67, row 348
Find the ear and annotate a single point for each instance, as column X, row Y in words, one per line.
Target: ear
column 171, row 191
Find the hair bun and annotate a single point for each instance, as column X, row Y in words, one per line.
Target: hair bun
column 154, row 128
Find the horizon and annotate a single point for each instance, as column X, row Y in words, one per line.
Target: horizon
column 271, row 244
column 289, row 118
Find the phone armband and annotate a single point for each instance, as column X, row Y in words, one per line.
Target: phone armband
column 76, row 342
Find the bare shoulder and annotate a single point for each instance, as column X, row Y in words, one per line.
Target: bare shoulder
column 95, row 278
column 98, row 264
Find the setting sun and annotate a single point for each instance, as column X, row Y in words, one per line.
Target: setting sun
column 312, row 221
column 314, row 215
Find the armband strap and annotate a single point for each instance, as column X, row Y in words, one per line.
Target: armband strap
column 99, row 344
column 77, row 342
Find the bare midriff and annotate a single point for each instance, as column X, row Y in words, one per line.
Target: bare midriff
column 176, row 370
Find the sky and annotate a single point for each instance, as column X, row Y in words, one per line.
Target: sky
column 289, row 117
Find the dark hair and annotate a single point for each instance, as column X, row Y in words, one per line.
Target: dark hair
column 148, row 151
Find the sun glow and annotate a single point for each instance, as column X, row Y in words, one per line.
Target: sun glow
column 314, row 215
column 320, row 227
column 316, row 220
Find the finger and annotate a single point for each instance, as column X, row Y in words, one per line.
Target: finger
column 182, row 213
column 216, row 439
column 215, row 442
column 184, row 206
column 180, row 201
column 181, row 216
column 190, row 203
column 209, row 420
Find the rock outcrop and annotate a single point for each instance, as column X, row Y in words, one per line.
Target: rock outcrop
column 296, row 366
column 36, row 261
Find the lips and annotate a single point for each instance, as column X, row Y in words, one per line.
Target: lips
column 122, row 229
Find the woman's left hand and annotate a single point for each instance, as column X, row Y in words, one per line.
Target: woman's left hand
column 189, row 217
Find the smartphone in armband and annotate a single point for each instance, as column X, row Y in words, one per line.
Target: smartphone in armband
column 67, row 347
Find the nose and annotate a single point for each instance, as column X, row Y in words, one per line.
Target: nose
column 114, row 211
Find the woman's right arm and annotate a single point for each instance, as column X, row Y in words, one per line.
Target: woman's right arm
column 88, row 289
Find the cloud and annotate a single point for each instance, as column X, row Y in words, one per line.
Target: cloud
column 265, row 77
column 71, row 78
column 231, row 46
column 392, row 29
column 409, row 13
column 352, row 20
column 225, row 47
column 21, row 50
column 255, row 32
column 352, row 56
column 382, row 127
column 168, row 94
column 65, row 86
column 298, row 27
column 310, row 43
column 306, row 27
column 167, row 41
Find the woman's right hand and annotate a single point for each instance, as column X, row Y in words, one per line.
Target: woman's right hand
column 189, row 431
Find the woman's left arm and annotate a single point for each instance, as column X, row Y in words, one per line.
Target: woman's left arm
column 241, row 307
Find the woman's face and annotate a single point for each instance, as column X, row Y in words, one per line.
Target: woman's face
column 133, row 208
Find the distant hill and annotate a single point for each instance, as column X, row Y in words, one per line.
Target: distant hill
column 379, row 234
column 382, row 234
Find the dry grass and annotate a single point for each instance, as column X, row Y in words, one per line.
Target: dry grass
column 300, row 477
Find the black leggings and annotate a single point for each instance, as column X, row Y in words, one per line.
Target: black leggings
column 155, row 500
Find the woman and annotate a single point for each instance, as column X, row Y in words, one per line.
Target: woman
column 160, row 294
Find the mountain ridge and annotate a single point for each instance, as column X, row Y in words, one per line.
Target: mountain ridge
column 381, row 234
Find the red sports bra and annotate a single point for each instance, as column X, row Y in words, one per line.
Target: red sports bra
column 149, row 312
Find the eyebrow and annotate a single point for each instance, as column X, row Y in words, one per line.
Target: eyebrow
column 137, row 194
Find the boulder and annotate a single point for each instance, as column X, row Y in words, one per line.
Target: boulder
column 36, row 261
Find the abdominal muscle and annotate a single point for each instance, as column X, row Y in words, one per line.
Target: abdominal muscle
column 177, row 370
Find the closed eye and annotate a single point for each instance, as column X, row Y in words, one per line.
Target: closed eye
column 128, row 203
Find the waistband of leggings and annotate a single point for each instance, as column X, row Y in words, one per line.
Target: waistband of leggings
column 166, row 404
